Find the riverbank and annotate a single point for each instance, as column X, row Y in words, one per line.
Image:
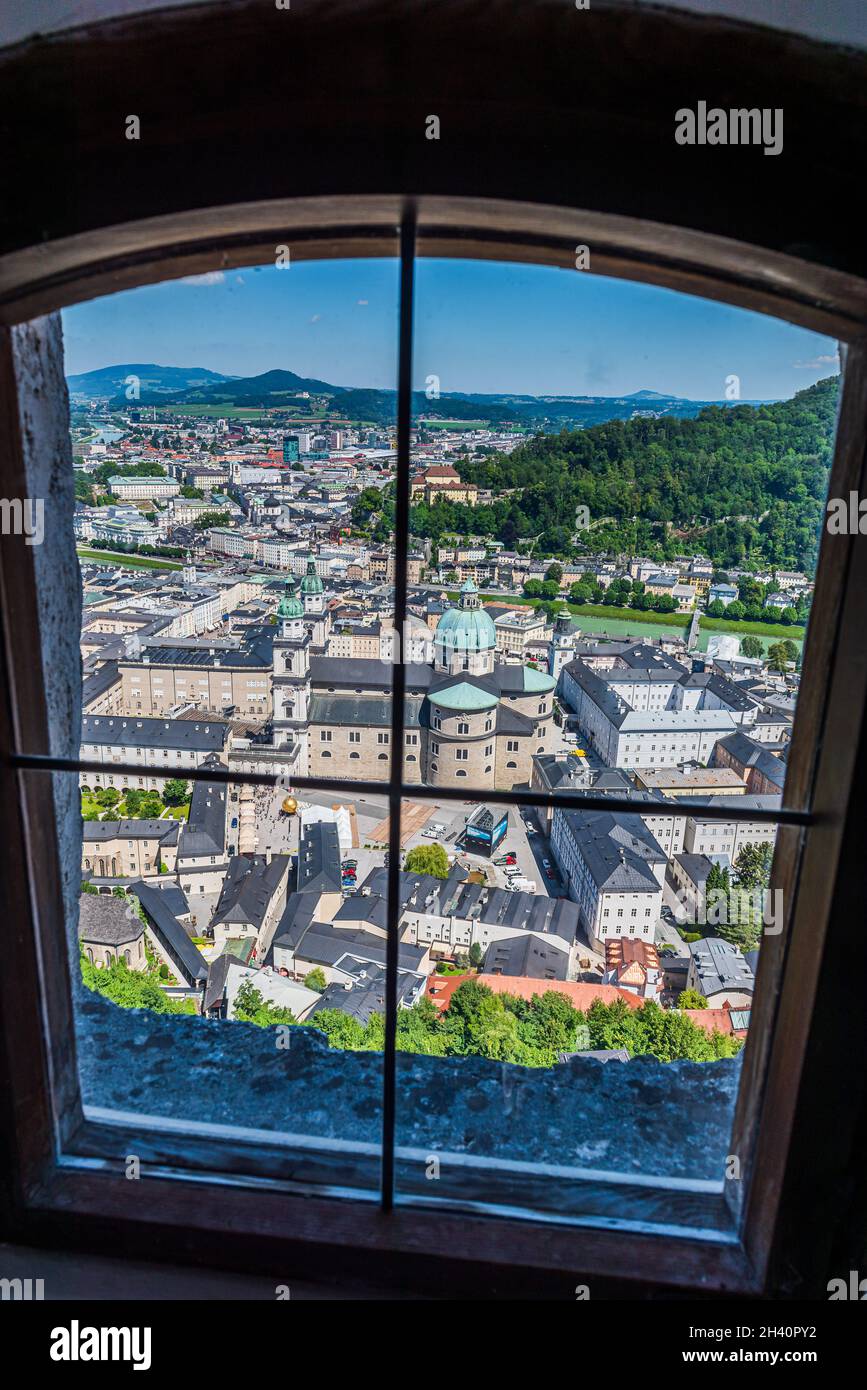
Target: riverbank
column 600, row 618
column 790, row 631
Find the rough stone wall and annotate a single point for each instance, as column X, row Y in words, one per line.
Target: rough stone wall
column 44, row 409
column 641, row 1117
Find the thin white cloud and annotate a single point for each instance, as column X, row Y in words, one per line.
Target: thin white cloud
column 815, row 363
column 316, row 318
column 362, row 301
column 210, row 277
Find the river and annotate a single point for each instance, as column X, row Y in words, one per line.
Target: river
column 622, row 627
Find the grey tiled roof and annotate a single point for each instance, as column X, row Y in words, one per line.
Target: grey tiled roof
column 720, row 966
column 106, row 921
column 127, row 731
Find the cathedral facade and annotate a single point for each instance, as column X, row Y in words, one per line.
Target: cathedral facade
column 468, row 717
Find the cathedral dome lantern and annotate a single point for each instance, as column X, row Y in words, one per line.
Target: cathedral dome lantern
column 465, row 637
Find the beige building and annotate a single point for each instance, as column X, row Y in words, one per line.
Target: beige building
column 216, row 679
column 699, row 781
column 129, row 848
column 518, row 627
column 441, row 480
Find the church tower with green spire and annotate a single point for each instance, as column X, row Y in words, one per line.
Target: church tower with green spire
column 291, row 673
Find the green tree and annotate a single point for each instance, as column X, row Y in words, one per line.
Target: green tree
column 209, row 519
column 476, row 955
column 753, row 866
column 132, row 989
column 252, row 1007
column 176, row 791
column 427, row 859
column 691, row 999
column 779, row 656
column 752, row 646
column 340, row 1029
column 315, row 979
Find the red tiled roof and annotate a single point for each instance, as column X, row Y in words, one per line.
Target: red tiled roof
column 581, row 995
column 715, row 1021
column 440, row 989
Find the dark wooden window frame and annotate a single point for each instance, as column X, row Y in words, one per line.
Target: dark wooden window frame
column 54, row 1190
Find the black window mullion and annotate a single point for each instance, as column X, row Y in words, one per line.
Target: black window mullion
column 682, row 807
column 398, row 692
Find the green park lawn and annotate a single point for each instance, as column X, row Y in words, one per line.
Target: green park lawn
column 113, row 557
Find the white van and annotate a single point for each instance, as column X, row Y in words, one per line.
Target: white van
column 522, row 885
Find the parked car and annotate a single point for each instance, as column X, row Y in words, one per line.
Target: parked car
column 506, row 859
column 350, row 863
column 530, row 827
column 548, row 867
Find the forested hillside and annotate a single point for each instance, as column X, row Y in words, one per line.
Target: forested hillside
column 740, row 484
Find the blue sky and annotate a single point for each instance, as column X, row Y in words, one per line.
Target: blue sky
column 480, row 326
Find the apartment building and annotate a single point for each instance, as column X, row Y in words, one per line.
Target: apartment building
column 166, row 747
column 144, row 489
column 715, row 837
column 129, row 848
column 613, row 869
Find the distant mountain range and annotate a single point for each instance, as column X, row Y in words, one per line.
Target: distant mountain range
column 184, row 386
column 106, row 382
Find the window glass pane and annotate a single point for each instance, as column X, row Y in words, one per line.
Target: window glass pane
column 225, row 986
column 234, row 520
column 234, row 526
column 619, row 492
column 541, row 1061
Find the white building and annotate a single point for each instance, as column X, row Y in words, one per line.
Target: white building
column 613, row 869
column 659, row 716
column 165, row 747
column 144, row 489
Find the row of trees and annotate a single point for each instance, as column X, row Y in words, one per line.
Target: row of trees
column 169, row 552
column 502, row 1027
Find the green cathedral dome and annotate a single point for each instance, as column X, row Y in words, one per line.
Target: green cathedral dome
column 467, row 628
